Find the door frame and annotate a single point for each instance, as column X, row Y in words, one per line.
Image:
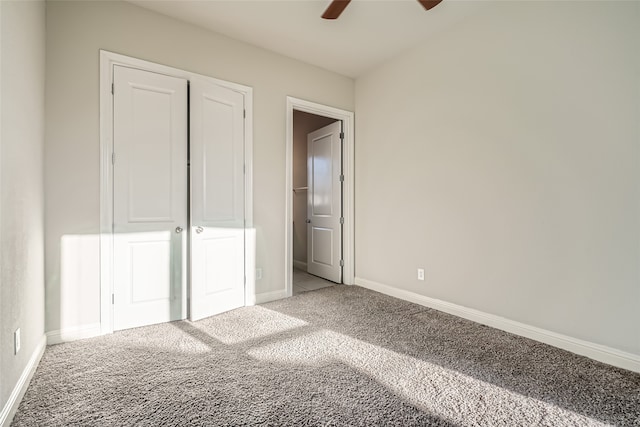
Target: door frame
column 107, row 62
column 348, row 237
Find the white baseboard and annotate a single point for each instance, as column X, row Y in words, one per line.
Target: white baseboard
column 74, row 333
column 594, row 351
column 300, row 265
column 10, row 408
column 270, row 296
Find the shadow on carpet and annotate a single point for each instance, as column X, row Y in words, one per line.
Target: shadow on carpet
column 342, row 356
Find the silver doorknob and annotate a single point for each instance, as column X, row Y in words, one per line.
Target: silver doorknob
column 199, row 229
column 179, row 230
column 308, row 221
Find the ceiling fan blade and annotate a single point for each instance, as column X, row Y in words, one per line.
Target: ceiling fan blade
column 335, row 9
column 429, row 4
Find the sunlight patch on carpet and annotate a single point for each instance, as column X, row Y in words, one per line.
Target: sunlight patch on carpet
column 237, row 326
column 451, row 395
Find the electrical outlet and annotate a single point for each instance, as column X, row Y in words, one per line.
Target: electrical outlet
column 258, row 273
column 421, row 274
column 16, row 341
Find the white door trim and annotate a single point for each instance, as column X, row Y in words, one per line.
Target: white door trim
column 348, row 236
column 107, row 62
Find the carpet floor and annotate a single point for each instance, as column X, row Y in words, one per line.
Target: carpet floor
column 343, row 356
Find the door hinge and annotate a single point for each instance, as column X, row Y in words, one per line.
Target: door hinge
column 113, row 158
column 342, row 220
column 244, row 114
column 112, row 88
column 341, row 263
column 113, row 298
column 341, row 135
column 341, row 178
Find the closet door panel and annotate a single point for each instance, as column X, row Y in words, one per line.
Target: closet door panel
column 217, row 200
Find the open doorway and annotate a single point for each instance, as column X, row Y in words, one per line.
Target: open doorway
column 314, row 139
column 319, row 213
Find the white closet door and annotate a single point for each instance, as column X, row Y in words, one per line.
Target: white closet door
column 217, row 200
column 150, row 198
column 324, row 202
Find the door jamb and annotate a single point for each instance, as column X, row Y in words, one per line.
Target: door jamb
column 348, row 236
column 107, row 62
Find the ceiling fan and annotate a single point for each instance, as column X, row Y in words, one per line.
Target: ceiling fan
column 337, row 6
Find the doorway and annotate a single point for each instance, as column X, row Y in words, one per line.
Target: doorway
column 319, row 212
column 176, row 212
column 317, row 202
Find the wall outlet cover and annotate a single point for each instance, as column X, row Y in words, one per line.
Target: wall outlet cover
column 421, row 274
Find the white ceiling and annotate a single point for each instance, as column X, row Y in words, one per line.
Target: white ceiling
column 367, row 33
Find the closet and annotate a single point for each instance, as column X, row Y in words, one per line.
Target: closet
column 178, row 232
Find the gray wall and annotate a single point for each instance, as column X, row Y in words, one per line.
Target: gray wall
column 303, row 124
column 502, row 155
column 75, row 33
column 22, row 81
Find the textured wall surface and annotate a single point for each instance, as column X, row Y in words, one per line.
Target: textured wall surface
column 502, row 155
column 22, row 80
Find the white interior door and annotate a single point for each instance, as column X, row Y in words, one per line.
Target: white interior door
column 324, row 202
column 150, row 198
column 217, row 200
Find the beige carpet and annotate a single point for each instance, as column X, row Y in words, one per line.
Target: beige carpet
column 337, row 356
